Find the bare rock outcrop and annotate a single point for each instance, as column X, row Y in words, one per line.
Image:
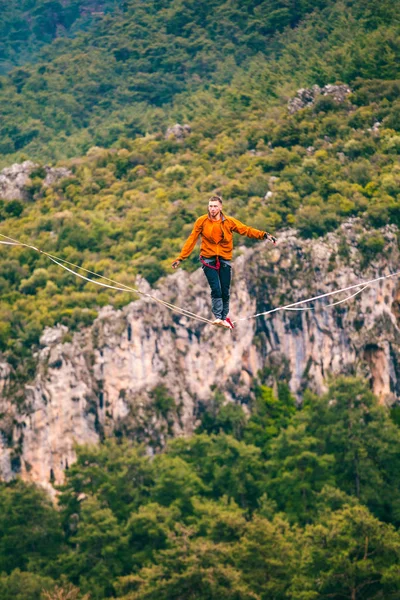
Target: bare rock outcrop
column 178, row 132
column 54, row 174
column 103, row 382
column 15, row 179
column 5, row 371
column 306, row 97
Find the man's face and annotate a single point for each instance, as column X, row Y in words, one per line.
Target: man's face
column 214, row 208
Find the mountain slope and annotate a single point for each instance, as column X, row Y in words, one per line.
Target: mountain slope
column 122, row 77
column 26, row 26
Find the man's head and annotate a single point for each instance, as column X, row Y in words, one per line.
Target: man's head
column 215, row 205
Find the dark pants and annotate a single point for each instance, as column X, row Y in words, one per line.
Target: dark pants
column 220, row 283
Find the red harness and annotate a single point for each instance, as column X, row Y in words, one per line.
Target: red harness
column 217, row 264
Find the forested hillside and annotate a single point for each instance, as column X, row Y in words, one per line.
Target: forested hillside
column 134, row 72
column 28, row 25
column 286, row 505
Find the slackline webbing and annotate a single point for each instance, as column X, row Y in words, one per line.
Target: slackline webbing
column 120, row 286
column 61, row 262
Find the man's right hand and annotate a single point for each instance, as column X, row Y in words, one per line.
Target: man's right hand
column 176, row 264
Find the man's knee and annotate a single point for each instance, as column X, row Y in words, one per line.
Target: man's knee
column 225, row 292
column 216, row 292
column 215, row 286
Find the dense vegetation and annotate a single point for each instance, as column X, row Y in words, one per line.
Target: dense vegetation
column 289, row 504
column 27, row 25
column 155, row 61
column 108, row 81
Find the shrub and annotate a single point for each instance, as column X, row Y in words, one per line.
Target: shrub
column 370, row 246
column 313, row 221
column 13, row 208
column 37, row 280
column 175, row 173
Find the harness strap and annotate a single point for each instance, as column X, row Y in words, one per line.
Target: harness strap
column 217, row 264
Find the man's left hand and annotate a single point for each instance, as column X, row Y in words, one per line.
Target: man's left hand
column 271, row 238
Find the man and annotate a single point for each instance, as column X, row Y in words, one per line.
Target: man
column 216, row 231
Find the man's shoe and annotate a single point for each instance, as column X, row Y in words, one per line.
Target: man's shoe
column 231, row 325
column 226, row 324
column 218, row 322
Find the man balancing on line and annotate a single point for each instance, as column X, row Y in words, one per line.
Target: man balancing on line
column 216, row 231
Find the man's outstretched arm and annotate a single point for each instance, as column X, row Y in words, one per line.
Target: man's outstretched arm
column 189, row 244
column 250, row 232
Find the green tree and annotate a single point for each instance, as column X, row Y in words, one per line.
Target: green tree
column 269, row 414
column 217, row 416
column 297, row 471
column 267, row 556
column 119, row 474
column 351, row 425
column 30, row 530
column 148, row 531
column 20, row 585
column 98, row 551
column 226, row 466
column 349, row 555
column 193, row 569
column 221, row 521
column 176, row 482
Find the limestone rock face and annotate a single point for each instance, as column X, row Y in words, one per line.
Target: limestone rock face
column 102, row 382
column 14, row 179
column 5, row 371
column 177, row 131
column 54, row 174
column 306, row 97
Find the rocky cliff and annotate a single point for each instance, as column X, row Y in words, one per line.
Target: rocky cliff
column 118, row 377
column 15, row 180
column 306, row 97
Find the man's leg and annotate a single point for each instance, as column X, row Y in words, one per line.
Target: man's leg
column 216, row 293
column 225, row 274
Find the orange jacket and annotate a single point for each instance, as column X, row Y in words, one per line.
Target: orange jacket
column 216, row 236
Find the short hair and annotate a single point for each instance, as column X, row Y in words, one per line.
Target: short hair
column 215, row 199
